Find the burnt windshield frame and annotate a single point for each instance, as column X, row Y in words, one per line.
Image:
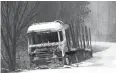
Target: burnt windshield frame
column 42, row 37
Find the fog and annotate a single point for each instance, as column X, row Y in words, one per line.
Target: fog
column 103, row 21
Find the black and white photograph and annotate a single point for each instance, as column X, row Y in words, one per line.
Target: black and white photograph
column 58, row 36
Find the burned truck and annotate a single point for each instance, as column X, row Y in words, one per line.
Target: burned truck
column 48, row 43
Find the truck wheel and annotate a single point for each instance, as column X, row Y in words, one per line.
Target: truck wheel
column 66, row 60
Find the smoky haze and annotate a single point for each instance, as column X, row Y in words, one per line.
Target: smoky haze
column 103, row 21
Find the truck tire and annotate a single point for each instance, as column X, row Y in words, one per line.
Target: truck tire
column 66, row 60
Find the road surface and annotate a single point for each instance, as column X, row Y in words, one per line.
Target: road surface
column 105, row 58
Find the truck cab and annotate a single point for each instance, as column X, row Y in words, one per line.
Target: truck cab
column 47, row 41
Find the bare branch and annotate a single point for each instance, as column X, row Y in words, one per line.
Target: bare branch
column 27, row 19
column 4, row 58
column 21, row 18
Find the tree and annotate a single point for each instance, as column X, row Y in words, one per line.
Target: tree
column 16, row 16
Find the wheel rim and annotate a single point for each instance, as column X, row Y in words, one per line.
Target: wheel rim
column 67, row 61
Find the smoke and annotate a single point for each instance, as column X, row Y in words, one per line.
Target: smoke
column 103, row 21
